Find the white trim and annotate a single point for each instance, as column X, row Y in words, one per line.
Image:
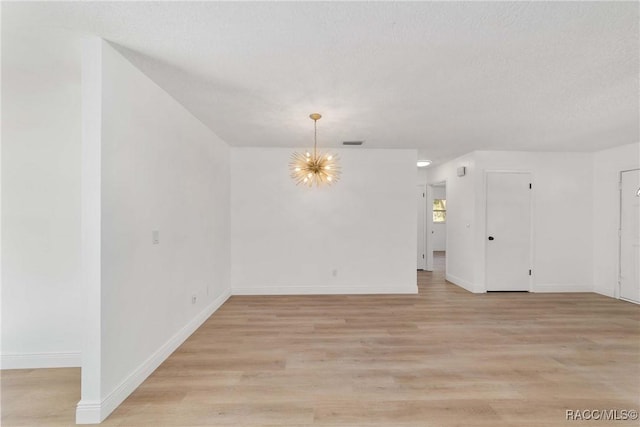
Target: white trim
column 411, row 288
column 560, row 287
column 69, row 359
column 464, row 284
column 422, row 265
column 93, row 412
column 88, row 412
column 604, row 293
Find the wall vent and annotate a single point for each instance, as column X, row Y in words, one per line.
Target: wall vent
column 352, row 142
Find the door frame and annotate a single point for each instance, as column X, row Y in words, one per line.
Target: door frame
column 531, row 222
column 423, row 187
column 618, row 289
column 429, row 227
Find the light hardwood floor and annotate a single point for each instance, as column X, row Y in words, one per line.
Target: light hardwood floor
column 444, row 357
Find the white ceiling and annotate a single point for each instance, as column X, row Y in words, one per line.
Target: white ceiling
column 444, row 77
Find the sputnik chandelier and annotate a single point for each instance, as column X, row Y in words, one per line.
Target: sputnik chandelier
column 314, row 168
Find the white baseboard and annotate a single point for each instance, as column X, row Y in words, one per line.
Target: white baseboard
column 604, row 293
column 89, row 412
column 464, row 284
column 560, row 287
column 93, row 412
column 325, row 290
column 70, row 359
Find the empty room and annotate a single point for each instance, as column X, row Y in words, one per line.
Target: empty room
column 248, row 214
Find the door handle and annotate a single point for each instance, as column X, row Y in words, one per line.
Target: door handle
column 490, row 237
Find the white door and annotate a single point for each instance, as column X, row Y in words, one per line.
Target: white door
column 422, row 207
column 630, row 236
column 429, row 229
column 508, row 253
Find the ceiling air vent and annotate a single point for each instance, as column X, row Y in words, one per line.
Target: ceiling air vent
column 352, row 142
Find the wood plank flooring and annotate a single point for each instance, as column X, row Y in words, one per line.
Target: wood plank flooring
column 442, row 358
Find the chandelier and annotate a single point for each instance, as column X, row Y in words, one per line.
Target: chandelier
column 314, row 168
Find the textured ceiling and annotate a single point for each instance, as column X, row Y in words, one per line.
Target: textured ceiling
column 443, row 77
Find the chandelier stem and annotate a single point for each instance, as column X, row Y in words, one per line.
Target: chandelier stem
column 315, row 138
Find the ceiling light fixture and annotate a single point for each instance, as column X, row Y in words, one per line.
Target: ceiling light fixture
column 314, row 168
column 423, row 163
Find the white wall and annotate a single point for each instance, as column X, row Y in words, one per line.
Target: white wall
column 161, row 169
column 422, row 175
column 460, row 225
column 562, row 216
column 607, row 166
column 41, row 298
column 439, row 234
column 357, row 236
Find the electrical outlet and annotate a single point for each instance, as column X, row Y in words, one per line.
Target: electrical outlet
column 334, row 273
column 194, row 299
column 155, row 237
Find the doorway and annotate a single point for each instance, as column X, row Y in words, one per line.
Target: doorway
column 508, row 231
column 629, row 277
column 421, row 237
column 439, row 229
column 436, row 220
